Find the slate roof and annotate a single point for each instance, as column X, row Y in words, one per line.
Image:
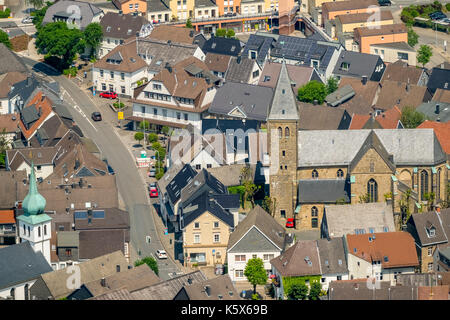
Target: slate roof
column 439, row 79
column 344, row 219
column 323, row 190
column 393, row 249
column 222, row 125
column 204, row 203
column 284, row 103
column 332, row 256
column 20, row 263
column 227, row 201
column 218, row 288
column 221, row 45
column 242, row 101
column 10, row 62
column 294, row 261
column 360, row 64
column 121, row 26
column 87, row 11
column 179, row 181
column 259, row 219
column 422, row 221
column 331, row 147
column 202, row 179
column 260, row 44
column 240, row 70
column 11, row 28
column 299, row 75
column 429, row 109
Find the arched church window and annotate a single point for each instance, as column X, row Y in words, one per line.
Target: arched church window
column 372, row 190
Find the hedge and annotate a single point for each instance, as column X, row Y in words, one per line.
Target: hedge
column 289, row 281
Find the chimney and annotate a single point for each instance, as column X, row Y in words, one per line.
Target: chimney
column 315, row 102
column 437, row 109
column 191, row 33
column 364, row 80
column 208, row 290
column 407, row 87
column 43, row 97
column 103, row 282
column 120, row 12
column 168, row 67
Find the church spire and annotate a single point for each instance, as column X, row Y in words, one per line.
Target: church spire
column 284, row 103
column 34, row 203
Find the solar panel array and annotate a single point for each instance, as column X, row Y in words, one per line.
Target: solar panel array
column 80, row 214
column 98, row 214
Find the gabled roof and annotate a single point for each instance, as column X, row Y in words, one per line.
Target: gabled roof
column 31, row 119
column 358, row 64
column 261, row 44
column 218, row 288
column 393, row 249
column 299, row 75
column 442, row 132
column 7, row 122
column 400, row 94
column 358, row 289
column 10, row 62
column 175, row 34
column 323, row 190
column 363, row 16
column 364, row 98
column 221, row 45
column 439, row 79
column 425, row 221
column 7, row 217
column 382, row 30
column 122, row 58
column 284, row 103
column 240, row 69
column 344, row 219
column 265, row 223
column 302, row 259
column 404, row 46
column 8, row 80
column 179, row 181
column 121, row 26
column 332, row 256
column 441, row 95
column 217, row 62
column 386, row 120
column 40, row 156
column 19, row 263
column 348, row 5
column 68, row 238
column 401, row 71
column 202, row 179
column 340, row 96
column 87, row 11
column 432, row 112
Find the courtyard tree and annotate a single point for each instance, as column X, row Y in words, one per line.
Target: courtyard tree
column 139, row 136
column 413, row 37
column 424, row 54
column 144, row 125
column 189, row 24
column 150, row 261
column 152, row 137
column 93, row 36
column 230, row 33
column 297, row 291
column 314, row 291
column 255, row 272
column 221, row 32
column 411, row 118
column 332, row 85
column 313, row 90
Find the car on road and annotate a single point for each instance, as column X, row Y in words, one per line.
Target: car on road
column 153, row 191
column 27, row 20
column 161, row 254
column 108, row 95
column 96, row 116
column 290, row 223
column 384, row 2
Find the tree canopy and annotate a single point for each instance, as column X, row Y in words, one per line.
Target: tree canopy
column 332, row 85
column 150, row 261
column 37, row 4
column 313, row 90
column 5, row 39
column 424, row 54
column 413, row 37
column 139, row 136
column 411, row 118
column 93, row 35
column 189, row 24
column 221, row 32
column 255, row 272
column 297, row 291
column 314, row 291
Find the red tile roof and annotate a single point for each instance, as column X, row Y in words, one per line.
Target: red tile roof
column 398, row 247
column 385, row 120
column 433, row 293
column 442, row 131
column 7, row 216
column 39, row 101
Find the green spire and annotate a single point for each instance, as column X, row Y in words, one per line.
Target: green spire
column 34, row 203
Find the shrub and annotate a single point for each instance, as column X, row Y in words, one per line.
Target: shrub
column 5, row 14
column 72, row 71
column 447, row 6
column 117, row 105
column 152, row 137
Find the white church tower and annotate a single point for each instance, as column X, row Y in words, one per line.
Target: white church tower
column 34, row 224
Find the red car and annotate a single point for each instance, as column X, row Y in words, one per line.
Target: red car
column 109, row 95
column 153, row 192
column 290, row 223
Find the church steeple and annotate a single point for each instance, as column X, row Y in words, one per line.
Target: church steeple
column 34, row 203
column 284, row 103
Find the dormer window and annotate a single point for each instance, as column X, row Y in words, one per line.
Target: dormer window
column 431, row 232
column 345, row 66
column 108, row 29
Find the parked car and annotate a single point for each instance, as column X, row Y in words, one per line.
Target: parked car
column 247, row 294
column 153, row 191
column 438, row 15
column 109, row 95
column 161, row 254
column 152, row 173
column 290, row 223
column 384, row 2
column 27, row 20
column 96, row 116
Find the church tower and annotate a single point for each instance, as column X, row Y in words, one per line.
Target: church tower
column 282, row 125
column 34, row 224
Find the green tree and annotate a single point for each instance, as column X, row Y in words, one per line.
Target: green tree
column 144, row 125
column 152, row 137
column 37, row 4
column 221, row 32
column 6, row 13
column 92, row 36
column 156, row 146
column 139, row 136
column 165, row 130
column 150, row 261
column 159, row 174
column 4, row 145
column 56, row 39
column 411, row 118
column 230, row 33
column 5, row 39
column 314, row 291
column 424, row 54
column 38, row 15
column 313, row 90
column 297, row 291
column 447, row 6
column 255, row 272
column 332, row 85
column 268, row 205
column 250, row 191
column 189, row 24
column 413, row 37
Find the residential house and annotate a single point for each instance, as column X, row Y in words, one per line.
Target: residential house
column 7, row 227
column 177, row 96
column 358, row 65
column 13, row 181
column 219, row 288
column 367, row 36
column 333, row 260
column 358, row 218
column 205, row 9
column 251, row 7
column 389, row 119
column 243, row 70
column 300, row 261
column 241, row 101
column 346, row 23
column 9, row 125
column 222, row 45
column 435, row 111
column 441, row 95
column 441, row 259
column 217, row 64
column 10, row 62
column 406, row 72
column 317, row 117
column 206, row 227
column 381, row 255
column 299, row 75
column 8, row 80
column 138, row 7
column 175, row 34
column 394, row 93
column 17, row 37
column 53, row 285
column 84, row 14
column 117, row 27
column 332, row 9
column 228, row 7
column 20, row 267
column 258, row 48
column 429, row 230
column 21, row 159
column 393, row 51
column 158, row 11
column 67, row 247
column 257, row 236
column 438, row 80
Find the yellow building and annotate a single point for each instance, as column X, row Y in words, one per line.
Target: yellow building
column 348, row 22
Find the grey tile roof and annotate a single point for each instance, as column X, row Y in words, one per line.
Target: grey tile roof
column 87, row 11
column 218, row 286
column 340, row 95
column 439, row 79
column 221, row 45
column 242, row 100
column 68, row 238
column 424, row 221
column 11, row 28
column 203, row 181
column 260, row 44
column 10, row 62
column 261, row 231
column 240, row 70
column 228, row 201
column 344, row 219
column 121, row 26
column 284, row 103
column 157, row 6
column 395, row 45
column 323, row 190
column 429, row 109
column 360, row 64
column 20, row 263
column 331, row 147
column 332, row 256
column 179, row 181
